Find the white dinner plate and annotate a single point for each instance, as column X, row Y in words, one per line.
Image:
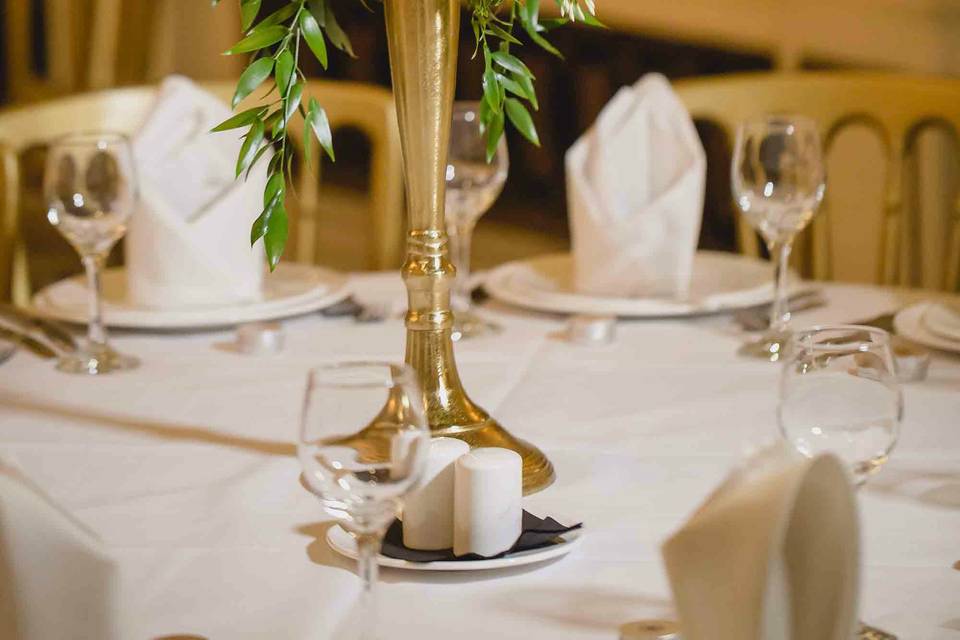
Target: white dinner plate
column 943, row 321
column 910, row 324
column 720, row 282
column 293, row 289
column 344, row 544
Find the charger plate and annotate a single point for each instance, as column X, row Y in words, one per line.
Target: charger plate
column 344, row 544
column 910, row 324
column 720, row 282
column 291, row 290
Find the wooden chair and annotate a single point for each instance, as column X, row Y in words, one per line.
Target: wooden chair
column 367, row 108
column 898, row 108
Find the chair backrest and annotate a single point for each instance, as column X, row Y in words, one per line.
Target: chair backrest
column 897, row 108
column 367, row 108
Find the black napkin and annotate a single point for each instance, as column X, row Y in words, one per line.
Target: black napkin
column 537, row 533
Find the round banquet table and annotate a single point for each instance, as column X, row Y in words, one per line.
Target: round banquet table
column 187, row 470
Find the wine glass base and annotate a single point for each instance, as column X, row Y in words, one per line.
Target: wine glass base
column 771, row 347
column 866, row 632
column 96, row 361
column 467, row 324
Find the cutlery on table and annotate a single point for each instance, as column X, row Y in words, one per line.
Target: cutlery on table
column 758, row 318
column 29, row 343
column 54, row 333
column 6, row 351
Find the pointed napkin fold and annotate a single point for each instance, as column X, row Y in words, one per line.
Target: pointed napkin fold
column 188, row 242
column 773, row 554
column 56, row 579
column 635, row 184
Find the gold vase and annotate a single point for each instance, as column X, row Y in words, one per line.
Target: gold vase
column 423, row 37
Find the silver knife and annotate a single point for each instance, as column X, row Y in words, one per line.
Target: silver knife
column 32, row 345
column 55, row 333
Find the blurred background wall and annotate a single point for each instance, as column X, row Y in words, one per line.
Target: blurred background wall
column 56, row 47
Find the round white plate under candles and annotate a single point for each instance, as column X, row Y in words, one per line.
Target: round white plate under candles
column 344, row 544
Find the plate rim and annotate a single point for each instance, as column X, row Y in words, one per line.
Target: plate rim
column 336, row 535
column 908, row 322
column 621, row 307
column 337, row 289
column 939, row 332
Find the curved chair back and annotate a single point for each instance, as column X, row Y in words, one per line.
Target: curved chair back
column 898, row 108
column 370, row 109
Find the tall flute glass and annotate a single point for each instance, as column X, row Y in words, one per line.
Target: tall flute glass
column 778, row 179
column 90, row 186
column 473, row 185
column 360, row 487
column 839, row 393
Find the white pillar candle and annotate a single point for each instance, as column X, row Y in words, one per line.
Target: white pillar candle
column 488, row 505
column 428, row 511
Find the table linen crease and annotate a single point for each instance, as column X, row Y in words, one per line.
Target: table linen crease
column 186, row 468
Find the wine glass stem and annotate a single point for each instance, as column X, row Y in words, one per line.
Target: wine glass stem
column 780, row 310
column 460, row 244
column 368, row 547
column 96, row 333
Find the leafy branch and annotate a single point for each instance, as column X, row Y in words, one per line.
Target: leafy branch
column 273, row 43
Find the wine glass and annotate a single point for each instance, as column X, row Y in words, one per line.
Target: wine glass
column 473, row 184
column 839, row 393
column 90, row 186
column 357, row 462
column 778, row 179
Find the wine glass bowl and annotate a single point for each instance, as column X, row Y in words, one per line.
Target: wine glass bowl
column 90, row 187
column 778, row 179
column 839, row 393
column 474, row 182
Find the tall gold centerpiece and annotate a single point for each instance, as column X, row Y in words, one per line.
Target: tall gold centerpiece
column 423, row 37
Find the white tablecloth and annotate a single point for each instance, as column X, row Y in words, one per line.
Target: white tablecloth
column 186, row 468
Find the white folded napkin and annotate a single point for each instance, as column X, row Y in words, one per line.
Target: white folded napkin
column 56, row 579
column 635, row 184
column 188, row 242
column 773, row 554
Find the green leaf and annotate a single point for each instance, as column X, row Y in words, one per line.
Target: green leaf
column 511, row 63
column 273, row 124
column 241, row 119
column 517, row 88
column 317, row 121
column 248, row 13
column 259, row 39
column 503, row 34
column 250, row 146
column 491, row 87
column 313, row 35
column 275, row 187
column 259, row 228
column 292, row 101
column 253, row 163
column 275, row 237
column 280, row 15
column 520, row 118
column 530, row 91
column 324, row 15
column 284, row 71
column 251, row 78
column 494, row 133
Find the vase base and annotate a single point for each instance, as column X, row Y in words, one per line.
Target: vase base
column 538, row 471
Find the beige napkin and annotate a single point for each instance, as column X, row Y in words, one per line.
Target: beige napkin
column 188, row 243
column 773, row 554
column 635, row 184
column 56, row 579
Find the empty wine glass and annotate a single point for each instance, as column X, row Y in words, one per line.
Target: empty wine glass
column 358, row 460
column 473, row 184
column 778, row 179
column 90, row 187
column 839, row 393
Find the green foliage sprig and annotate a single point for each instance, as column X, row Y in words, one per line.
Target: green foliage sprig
column 273, row 43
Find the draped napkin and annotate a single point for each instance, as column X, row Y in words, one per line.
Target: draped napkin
column 188, row 242
column 773, row 554
column 56, row 580
column 635, row 185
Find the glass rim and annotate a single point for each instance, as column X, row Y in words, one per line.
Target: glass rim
column 400, row 372
column 779, row 120
column 76, row 138
column 874, row 332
